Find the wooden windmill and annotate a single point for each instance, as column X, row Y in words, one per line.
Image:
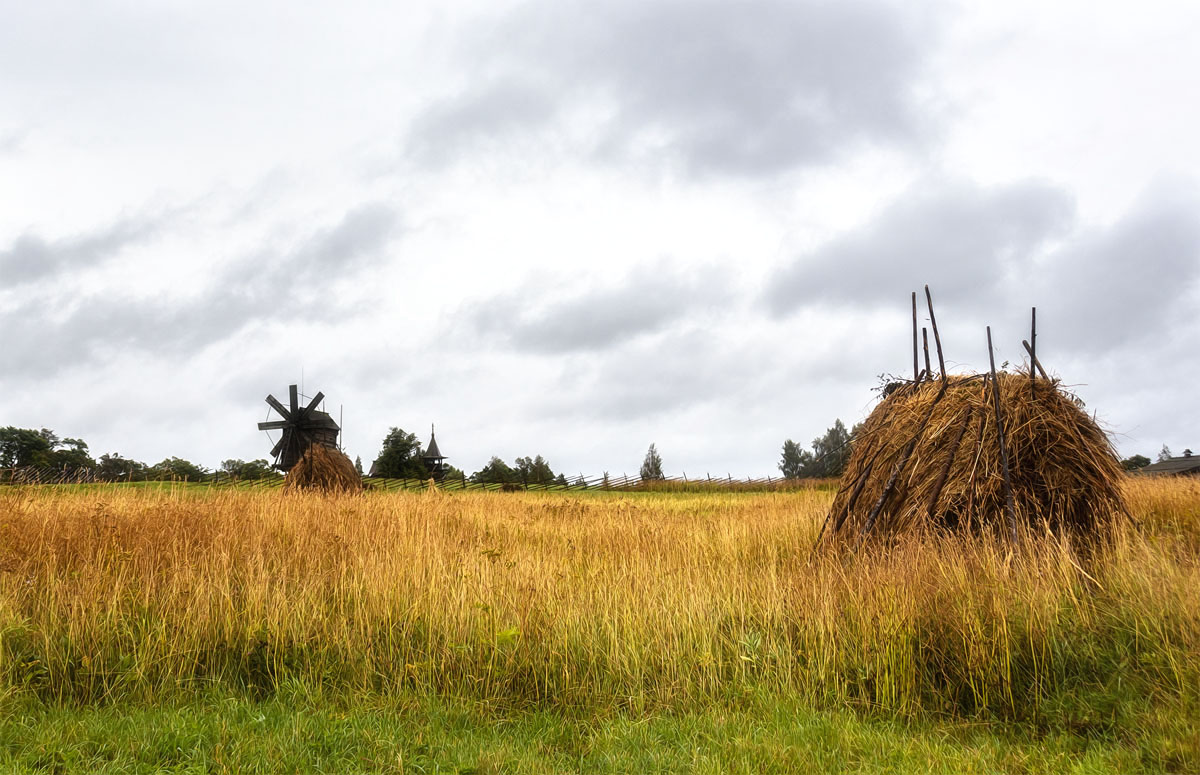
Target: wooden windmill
column 301, row 428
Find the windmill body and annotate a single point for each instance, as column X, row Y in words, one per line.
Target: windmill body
column 300, row 426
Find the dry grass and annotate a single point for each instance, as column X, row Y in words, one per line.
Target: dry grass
column 621, row 600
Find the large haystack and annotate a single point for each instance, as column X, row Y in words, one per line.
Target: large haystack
column 929, row 457
column 323, row 468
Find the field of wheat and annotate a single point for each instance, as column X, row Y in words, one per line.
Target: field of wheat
column 627, row 602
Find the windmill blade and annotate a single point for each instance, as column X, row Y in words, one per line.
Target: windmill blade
column 294, row 398
column 284, row 439
column 278, row 407
column 313, row 403
column 274, row 425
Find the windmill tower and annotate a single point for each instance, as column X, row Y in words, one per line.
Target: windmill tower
column 301, row 426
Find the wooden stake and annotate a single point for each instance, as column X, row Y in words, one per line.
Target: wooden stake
column 925, row 344
column 1036, row 362
column 916, row 376
column 1008, row 496
column 937, row 339
column 1032, row 352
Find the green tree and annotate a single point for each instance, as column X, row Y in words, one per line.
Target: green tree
column 113, row 468
column 71, row 453
column 495, row 472
column 795, row 460
column 358, row 464
column 651, row 466
column 400, row 457
column 829, row 456
column 831, row 452
column 26, row 447
column 1135, row 462
column 1165, row 454
column 177, row 469
column 23, row 447
column 533, row 470
column 240, row 469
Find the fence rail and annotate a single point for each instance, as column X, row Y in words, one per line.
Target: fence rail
column 605, row 482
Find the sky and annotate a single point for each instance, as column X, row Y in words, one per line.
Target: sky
column 576, row 228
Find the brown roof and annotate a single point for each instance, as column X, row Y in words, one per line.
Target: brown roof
column 433, row 453
column 1177, row 465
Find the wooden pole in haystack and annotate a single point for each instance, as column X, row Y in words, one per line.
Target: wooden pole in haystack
column 937, row 339
column 925, row 344
column 1037, row 364
column 916, row 375
column 1010, row 509
column 1032, row 353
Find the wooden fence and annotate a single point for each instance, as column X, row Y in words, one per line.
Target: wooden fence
column 581, row 482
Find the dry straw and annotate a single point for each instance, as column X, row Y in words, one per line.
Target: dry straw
column 932, row 456
column 325, row 469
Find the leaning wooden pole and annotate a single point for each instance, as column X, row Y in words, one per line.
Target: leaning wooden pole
column 1010, row 509
column 1036, row 363
column 937, row 339
column 916, row 374
column 925, row 344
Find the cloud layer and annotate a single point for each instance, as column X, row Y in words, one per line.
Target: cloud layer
column 714, row 87
column 568, row 228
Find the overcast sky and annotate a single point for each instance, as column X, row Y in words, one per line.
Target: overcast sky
column 575, row 228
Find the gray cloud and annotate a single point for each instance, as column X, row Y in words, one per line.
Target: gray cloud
column 1133, row 280
column 991, row 253
column 962, row 239
column 46, row 335
column 659, row 378
column 31, row 257
column 360, row 236
column 11, row 141
column 743, row 88
column 646, row 301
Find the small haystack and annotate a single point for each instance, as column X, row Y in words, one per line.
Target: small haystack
column 323, row 468
column 1000, row 452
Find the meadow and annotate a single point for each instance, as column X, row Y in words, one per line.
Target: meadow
column 211, row 629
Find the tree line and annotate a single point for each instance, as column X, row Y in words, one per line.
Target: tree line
column 25, row 447
column 401, row 457
column 827, row 459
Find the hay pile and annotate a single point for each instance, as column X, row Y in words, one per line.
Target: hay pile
column 325, row 469
column 929, row 458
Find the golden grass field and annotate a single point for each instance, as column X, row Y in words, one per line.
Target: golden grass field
column 622, row 601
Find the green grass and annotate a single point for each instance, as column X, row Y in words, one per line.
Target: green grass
column 296, row 731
